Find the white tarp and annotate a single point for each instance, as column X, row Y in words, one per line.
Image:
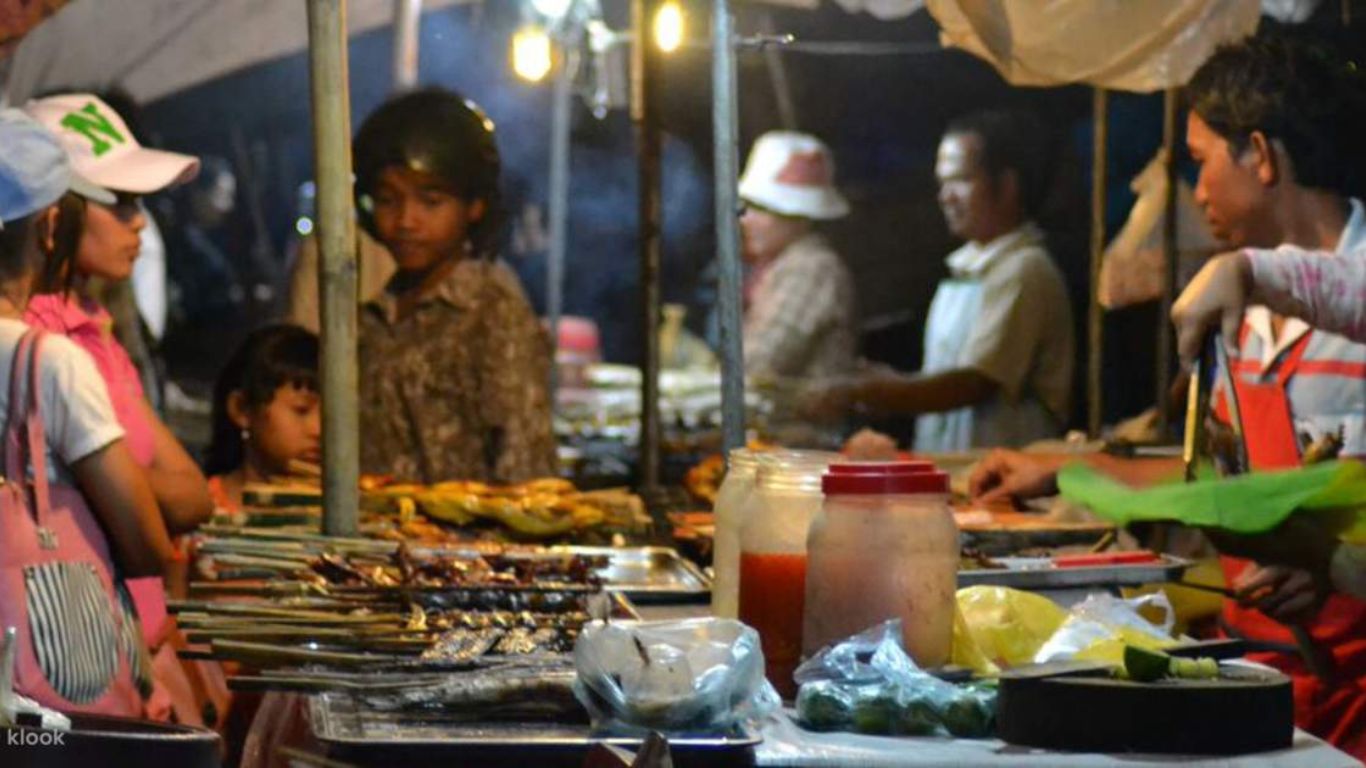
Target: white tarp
column 1135, row 265
column 153, row 48
column 1128, row 45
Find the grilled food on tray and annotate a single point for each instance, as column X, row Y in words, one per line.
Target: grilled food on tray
column 540, row 509
column 409, row 569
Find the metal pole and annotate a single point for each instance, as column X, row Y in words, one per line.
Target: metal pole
column 407, row 24
column 1170, row 102
column 336, row 265
column 645, row 116
column 1096, row 314
column 725, row 119
column 559, row 194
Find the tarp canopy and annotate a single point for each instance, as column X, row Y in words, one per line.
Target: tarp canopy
column 153, row 48
column 1121, row 44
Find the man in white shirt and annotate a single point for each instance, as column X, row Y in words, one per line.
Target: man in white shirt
column 998, row 338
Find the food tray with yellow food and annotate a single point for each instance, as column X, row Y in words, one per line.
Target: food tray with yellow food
column 549, row 510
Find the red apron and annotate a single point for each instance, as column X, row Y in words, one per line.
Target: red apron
column 1335, row 712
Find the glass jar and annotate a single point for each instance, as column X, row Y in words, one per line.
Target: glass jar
column 731, row 499
column 884, row 546
column 786, row 498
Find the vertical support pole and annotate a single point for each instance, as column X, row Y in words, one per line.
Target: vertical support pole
column 407, row 26
column 558, row 212
column 1096, row 315
column 725, row 114
column 1170, row 102
column 645, row 116
column 337, row 264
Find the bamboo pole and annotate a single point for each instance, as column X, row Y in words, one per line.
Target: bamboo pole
column 407, row 29
column 725, row 119
column 336, row 265
column 1170, row 109
column 645, row 116
column 1096, row 315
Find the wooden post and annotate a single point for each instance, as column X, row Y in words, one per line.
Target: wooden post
column 1162, row 386
column 558, row 209
column 645, row 116
column 407, row 38
column 1096, row 316
column 725, row 133
column 337, row 264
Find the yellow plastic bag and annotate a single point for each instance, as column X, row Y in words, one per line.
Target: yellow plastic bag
column 997, row 628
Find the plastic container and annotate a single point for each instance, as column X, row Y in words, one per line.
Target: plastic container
column 884, row 546
column 731, row 499
column 786, row 498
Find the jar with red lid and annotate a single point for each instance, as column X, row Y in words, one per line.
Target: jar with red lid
column 883, row 546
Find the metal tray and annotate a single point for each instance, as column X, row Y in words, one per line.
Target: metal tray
column 339, row 720
column 1040, row 573
column 649, row 574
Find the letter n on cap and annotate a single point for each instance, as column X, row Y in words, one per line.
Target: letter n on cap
column 89, row 123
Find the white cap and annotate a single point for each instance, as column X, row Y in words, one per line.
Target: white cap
column 103, row 151
column 792, row 174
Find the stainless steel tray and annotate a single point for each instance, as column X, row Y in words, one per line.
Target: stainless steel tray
column 649, row 574
column 340, row 720
column 1040, row 573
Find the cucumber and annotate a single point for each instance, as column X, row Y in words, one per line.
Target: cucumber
column 1147, row 666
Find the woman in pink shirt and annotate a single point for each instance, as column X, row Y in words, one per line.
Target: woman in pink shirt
column 104, row 152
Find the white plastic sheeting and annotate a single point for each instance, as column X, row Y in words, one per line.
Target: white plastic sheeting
column 1129, row 45
column 1135, row 266
column 153, row 48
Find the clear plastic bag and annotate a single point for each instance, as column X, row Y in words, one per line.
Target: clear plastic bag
column 1100, row 626
column 869, row 684
column 691, row 676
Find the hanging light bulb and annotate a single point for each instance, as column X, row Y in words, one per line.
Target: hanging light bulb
column 531, row 53
column 669, row 27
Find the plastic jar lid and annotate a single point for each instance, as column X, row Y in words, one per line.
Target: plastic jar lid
column 909, row 477
column 881, row 467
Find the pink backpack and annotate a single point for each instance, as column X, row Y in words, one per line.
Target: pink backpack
column 76, row 647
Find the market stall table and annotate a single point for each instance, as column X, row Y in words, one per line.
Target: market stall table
column 785, row 744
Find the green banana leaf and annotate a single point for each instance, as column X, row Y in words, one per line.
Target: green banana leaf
column 1245, row 504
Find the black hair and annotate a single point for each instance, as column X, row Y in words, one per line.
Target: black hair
column 58, row 272
column 269, row 358
column 438, row 131
column 54, row 273
column 1012, row 140
column 1292, row 89
column 14, row 238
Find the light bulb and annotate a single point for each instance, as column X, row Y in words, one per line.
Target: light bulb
column 531, row 53
column 669, row 27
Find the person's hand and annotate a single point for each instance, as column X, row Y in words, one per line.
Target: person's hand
column 824, row 402
column 1215, row 298
column 1288, row 595
column 1011, row 475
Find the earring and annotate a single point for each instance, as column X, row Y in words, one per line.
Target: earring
column 246, row 434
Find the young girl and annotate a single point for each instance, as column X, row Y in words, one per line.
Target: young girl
column 105, row 156
column 74, row 650
column 454, row 365
column 266, row 412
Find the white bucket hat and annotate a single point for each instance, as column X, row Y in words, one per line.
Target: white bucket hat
column 792, row 174
column 103, row 151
